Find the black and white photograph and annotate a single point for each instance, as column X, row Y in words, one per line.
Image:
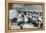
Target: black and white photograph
column 25, row 16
